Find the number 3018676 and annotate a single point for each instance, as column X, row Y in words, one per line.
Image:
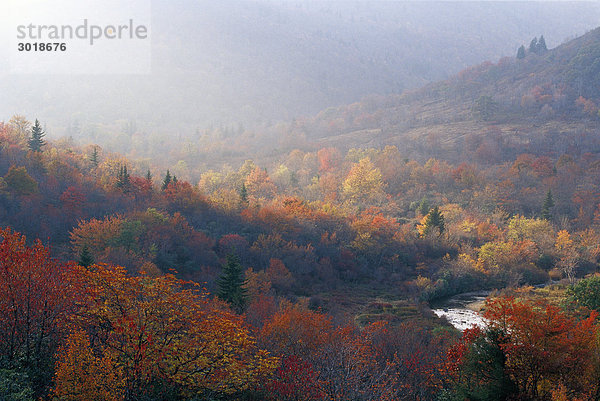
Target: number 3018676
column 42, row 47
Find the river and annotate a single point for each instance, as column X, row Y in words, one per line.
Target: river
column 462, row 310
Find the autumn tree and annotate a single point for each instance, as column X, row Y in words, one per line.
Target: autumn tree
column 567, row 253
column 18, row 180
column 342, row 358
column 294, row 380
column 36, row 140
column 544, row 347
column 231, row 284
column 82, row 375
column 21, row 127
column 151, row 336
column 37, row 294
column 73, row 200
column 259, row 185
column 363, row 183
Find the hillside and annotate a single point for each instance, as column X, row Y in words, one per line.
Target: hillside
column 252, row 63
column 538, row 104
column 544, row 104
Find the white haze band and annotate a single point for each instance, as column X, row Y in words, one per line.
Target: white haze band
column 83, row 31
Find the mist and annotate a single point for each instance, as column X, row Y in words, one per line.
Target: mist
column 251, row 64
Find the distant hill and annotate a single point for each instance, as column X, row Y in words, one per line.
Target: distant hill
column 538, row 104
column 245, row 62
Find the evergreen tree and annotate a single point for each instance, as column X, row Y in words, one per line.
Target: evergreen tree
column 174, row 180
column 547, row 205
column 484, row 368
column 85, row 257
column 36, row 141
column 166, row 181
column 435, row 219
column 123, row 179
column 521, row 52
column 230, row 286
column 533, row 45
column 94, row 156
column 541, row 45
column 423, row 207
column 243, row 195
column 149, row 177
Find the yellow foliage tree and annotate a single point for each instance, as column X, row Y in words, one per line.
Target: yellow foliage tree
column 81, row 375
column 161, row 329
column 565, row 248
column 363, row 183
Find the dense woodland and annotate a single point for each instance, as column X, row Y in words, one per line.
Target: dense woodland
column 305, row 274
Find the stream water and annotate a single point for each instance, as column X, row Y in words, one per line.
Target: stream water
column 462, row 310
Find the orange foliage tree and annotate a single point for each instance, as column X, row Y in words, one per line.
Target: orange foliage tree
column 157, row 332
column 342, row 358
column 543, row 349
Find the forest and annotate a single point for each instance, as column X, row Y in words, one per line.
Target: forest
column 299, row 261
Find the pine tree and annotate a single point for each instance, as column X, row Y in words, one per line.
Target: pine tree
column 85, row 257
column 36, row 141
column 149, row 177
column 521, row 52
column 435, row 219
column 541, row 45
column 423, row 207
column 533, row 45
column 166, row 181
column 174, row 180
column 123, row 179
column 230, row 286
column 547, row 205
column 94, row 156
column 243, row 195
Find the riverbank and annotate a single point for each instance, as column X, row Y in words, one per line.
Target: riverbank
column 462, row 310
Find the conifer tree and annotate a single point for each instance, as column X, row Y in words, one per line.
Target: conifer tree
column 85, row 257
column 36, row 141
column 243, row 195
column 521, row 52
column 166, row 181
column 423, row 207
column 149, row 177
column 435, row 219
column 533, row 45
column 547, row 205
column 230, row 286
column 94, row 156
column 123, row 179
column 541, row 45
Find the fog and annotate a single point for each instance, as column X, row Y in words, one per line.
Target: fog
column 255, row 63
